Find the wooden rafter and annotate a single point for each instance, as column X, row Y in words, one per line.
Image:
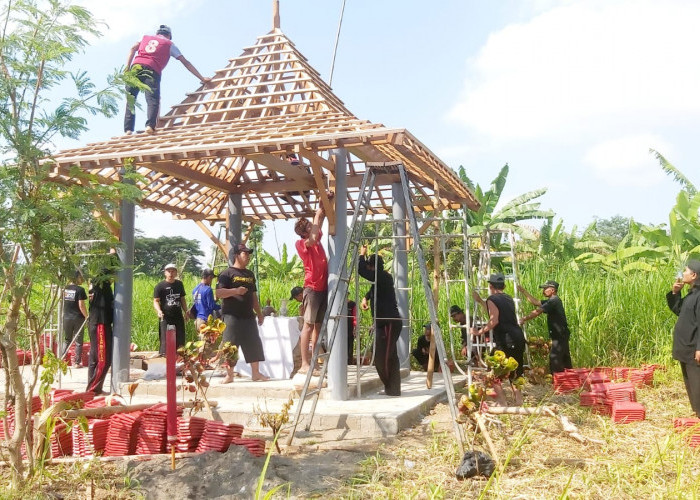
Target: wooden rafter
column 232, row 135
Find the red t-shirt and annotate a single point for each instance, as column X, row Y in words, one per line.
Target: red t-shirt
column 154, row 52
column 315, row 265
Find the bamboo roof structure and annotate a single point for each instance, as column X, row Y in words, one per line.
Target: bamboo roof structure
column 233, row 135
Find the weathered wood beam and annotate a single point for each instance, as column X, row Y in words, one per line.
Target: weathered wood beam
column 210, row 235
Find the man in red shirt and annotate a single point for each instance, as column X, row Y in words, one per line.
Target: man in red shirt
column 152, row 55
column 315, row 297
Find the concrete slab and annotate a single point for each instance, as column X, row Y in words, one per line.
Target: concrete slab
column 371, row 415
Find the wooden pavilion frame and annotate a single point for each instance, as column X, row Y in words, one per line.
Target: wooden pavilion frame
column 233, row 135
column 222, row 154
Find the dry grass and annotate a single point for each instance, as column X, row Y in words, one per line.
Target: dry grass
column 637, row 460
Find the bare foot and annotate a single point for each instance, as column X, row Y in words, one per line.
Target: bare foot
column 303, row 370
column 227, row 380
column 260, row 378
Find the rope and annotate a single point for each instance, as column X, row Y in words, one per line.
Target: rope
column 335, row 48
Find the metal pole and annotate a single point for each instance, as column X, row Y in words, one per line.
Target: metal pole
column 235, row 217
column 403, row 346
column 123, row 298
column 338, row 360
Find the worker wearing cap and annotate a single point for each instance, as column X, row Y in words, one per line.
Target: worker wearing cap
column 686, row 333
column 297, row 294
column 422, row 350
column 503, row 321
column 559, row 354
column 203, row 299
column 171, row 305
column 240, row 308
column 152, row 54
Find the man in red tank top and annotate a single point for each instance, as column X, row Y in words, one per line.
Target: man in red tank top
column 315, row 295
column 152, row 54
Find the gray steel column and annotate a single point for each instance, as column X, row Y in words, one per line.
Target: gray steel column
column 123, row 299
column 235, row 219
column 403, row 346
column 338, row 362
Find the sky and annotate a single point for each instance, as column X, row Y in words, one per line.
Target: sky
column 570, row 94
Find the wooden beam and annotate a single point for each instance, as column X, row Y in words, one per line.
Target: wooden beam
column 279, row 165
column 184, row 173
column 210, row 235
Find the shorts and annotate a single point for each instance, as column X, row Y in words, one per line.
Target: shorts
column 314, row 304
column 243, row 332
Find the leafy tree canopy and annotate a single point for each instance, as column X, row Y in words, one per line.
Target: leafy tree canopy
column 152, row 254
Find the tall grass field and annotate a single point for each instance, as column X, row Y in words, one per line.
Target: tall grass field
column 614, row 318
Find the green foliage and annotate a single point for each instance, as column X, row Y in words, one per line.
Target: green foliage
column 152, row 254
column 282, row 269
column 519, row 209
column 41, row 101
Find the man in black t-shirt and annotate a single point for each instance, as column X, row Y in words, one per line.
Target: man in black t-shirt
column 74, row 314
column 241, row 311
column 559, row 355
column 170, row 303
column 422, row 350
column 100, row 322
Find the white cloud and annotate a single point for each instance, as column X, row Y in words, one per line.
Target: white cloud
column 585, row 66
column 626, row 161
column 127, row 19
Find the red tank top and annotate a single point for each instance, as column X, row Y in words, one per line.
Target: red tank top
column 154, row 52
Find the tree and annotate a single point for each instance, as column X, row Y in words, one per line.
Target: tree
column 511, row 214
column 37, row 40
column 151, row 254
column 612, row 230
column 284, row 269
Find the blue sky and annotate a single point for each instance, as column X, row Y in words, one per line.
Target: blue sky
column 571, row 94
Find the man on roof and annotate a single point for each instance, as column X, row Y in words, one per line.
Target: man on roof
column 152, row 55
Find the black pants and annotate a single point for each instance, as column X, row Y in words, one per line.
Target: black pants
column 149, row 77
column 386, row 357
column 100, row 356
column 73, row 328
column 559, row 355
column 691, row 378
column 179, row 332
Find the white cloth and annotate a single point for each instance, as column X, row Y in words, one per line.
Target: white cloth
column 279, row 337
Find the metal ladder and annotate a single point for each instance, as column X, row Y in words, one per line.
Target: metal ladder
column 340, row 289
column 485, row 267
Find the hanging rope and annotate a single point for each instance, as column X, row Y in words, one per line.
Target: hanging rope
column 335, row 49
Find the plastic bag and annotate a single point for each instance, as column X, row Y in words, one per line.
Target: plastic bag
column 475, row 463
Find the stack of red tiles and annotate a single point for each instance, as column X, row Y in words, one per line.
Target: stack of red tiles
column 691, row 426
column 566, row 382
column 594, row 378
column 256, row 447
column 72, row 396
column 189, row 432
column 93, row 442
column 101, row 402
column 85, row 357
column 61, row 440
column 627, row 411
column 10, row 418
column 217, row 436
column 592, row 398
column 152, row 432
column 122, row 434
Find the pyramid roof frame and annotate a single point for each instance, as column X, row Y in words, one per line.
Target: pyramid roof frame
column 233, row 135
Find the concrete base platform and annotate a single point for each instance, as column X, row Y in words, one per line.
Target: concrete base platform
column 373, row 414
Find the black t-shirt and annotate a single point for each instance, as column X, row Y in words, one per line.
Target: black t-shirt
column 240, row 306
column 384, row 288
column 72, row 295
column 170, row 295
column 507, row 330
column 556, row 317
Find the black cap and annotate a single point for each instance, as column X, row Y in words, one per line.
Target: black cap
column 550, row 283
column 497, row 279
column 295, row 291
column 427, row 325
column 206, row 272
column 164, row 30
column 240, row 248
column 455, row 309
column 694, row 265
